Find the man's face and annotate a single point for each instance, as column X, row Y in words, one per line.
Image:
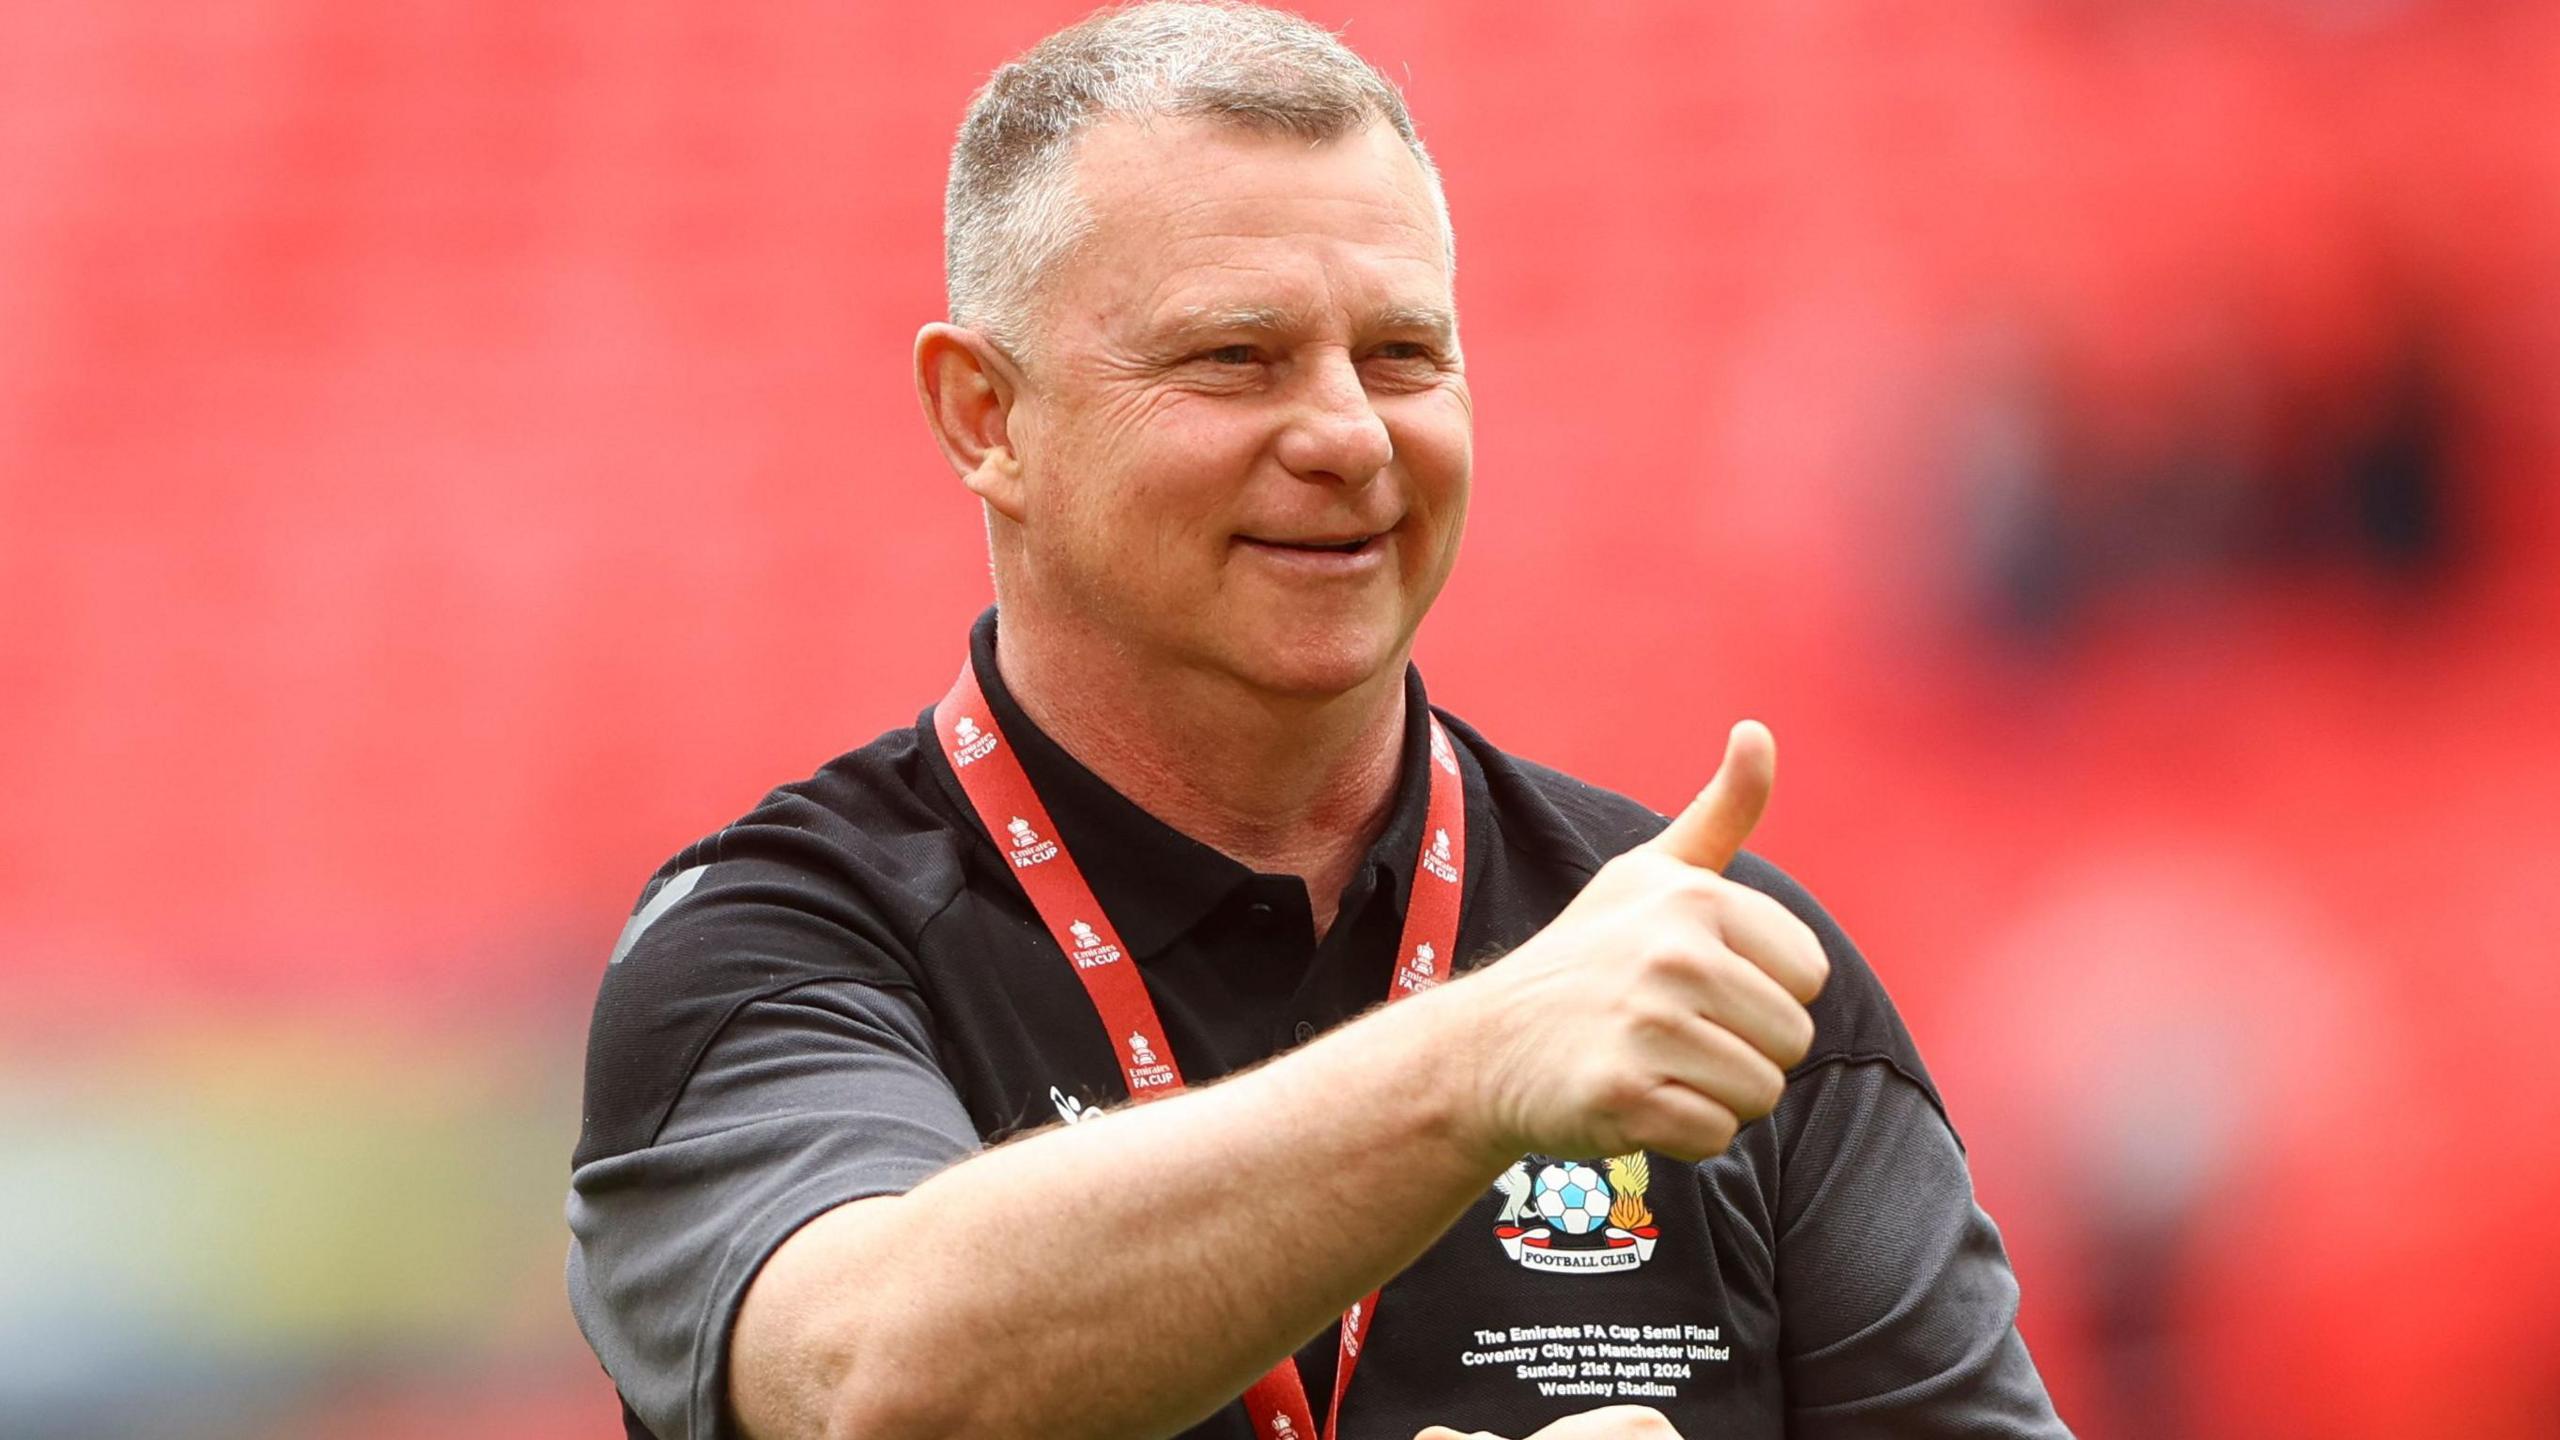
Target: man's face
column 1245, row 433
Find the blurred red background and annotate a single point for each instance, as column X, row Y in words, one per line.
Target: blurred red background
column 451, row 456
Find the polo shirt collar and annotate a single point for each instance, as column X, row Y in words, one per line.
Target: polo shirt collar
column 1156, row 882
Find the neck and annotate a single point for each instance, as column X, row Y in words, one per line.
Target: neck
column 1289, row 785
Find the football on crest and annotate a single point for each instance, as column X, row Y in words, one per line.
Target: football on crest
column 1572, row 1198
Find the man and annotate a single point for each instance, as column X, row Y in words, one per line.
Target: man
column 1671, row 1166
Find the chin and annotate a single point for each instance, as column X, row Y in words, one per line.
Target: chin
column 1318, row 662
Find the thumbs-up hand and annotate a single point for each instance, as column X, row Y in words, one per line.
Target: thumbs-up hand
column 1661, row 1009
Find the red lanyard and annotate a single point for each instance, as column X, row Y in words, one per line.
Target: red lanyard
column 1012, row 813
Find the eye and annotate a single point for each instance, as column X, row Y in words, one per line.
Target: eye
column 1403, row 350
column 1229, row 355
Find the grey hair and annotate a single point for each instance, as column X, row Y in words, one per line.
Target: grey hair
column 1012, row 210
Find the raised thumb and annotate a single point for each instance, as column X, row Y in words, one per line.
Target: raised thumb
column 1714, row 826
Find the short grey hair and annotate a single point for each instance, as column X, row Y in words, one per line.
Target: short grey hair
column 1012, row 211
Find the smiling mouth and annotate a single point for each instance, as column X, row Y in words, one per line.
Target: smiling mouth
column 1316, row 547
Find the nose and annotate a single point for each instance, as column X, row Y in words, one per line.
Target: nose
column 1333, row 434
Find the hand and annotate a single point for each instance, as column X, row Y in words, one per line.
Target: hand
column 1616, row 1422
column 1661, row 1009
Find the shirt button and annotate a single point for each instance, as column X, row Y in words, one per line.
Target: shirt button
column 1306, row 1031
column 1259, row 911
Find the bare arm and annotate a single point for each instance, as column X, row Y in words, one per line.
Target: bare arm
column 1209, row 1223
column 1130, row 1276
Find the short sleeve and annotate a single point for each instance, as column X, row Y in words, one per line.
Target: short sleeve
column 804, row 1100
column 1898, row 1307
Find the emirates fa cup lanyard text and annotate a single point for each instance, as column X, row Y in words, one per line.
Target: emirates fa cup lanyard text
column 1011, row 811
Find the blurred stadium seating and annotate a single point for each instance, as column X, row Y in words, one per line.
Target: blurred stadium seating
column 450, row 456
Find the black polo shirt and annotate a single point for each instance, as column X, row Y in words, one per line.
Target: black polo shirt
column 846, row 991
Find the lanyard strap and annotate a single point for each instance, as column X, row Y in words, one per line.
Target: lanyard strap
column 1001, row 792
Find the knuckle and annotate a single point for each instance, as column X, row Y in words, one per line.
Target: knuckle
column 1622, row 1090
column 1705, row 1134
column 1668, row 960
column 1817, row 963
column 1718, row 1133
column 1653, row 1022
column 1710, row 892
column 1797, row 1042
column 1821, row 969
column 1768, row 1087
column 1716, row 968
column 1801, row 975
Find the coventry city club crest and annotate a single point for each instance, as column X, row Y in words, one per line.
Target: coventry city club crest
column 1568, row 1216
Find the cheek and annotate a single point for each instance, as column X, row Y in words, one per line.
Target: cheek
column 1180, row 462
column 1436, row 441
column 1143, row 482
column 1206, row 436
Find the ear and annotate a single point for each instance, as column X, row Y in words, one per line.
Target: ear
column 968, row 387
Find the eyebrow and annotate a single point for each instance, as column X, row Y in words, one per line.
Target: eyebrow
column 1193, row 319
column 1439, row 323
column 1197, row 320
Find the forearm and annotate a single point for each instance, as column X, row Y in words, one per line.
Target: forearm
column 1127, row 1277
